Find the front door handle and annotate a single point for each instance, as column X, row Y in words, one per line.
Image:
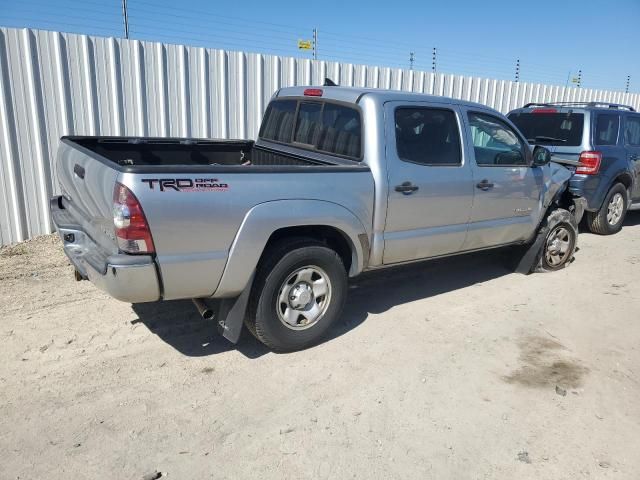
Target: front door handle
column 485, row 185
column 406, row 188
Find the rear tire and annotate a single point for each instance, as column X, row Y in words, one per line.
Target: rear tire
column 299, row 291
column 561, row 239
column 609, row 219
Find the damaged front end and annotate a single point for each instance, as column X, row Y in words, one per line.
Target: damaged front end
column 556, row 192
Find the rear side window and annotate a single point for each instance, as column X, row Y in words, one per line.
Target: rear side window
column 549, row 128
column 278, row 121
column 315, row 125
column 427, row 136
column 607, row 126
column 633, row 130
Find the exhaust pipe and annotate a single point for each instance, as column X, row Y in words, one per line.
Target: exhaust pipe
column 205, row 311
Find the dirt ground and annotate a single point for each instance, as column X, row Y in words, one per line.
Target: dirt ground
column 455, row 369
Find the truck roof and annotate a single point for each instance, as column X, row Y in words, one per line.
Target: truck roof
column 354, row 94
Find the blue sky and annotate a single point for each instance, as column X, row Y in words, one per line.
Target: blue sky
column 552, row 39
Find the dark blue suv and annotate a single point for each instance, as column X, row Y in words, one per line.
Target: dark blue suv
column 600, row 143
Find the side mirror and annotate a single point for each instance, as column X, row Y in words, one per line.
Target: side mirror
column 541, row 156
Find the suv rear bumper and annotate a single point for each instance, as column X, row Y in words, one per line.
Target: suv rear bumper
column 592, row 188
column 130, row 278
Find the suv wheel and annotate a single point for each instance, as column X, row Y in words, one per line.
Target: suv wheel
column 608, row 220
column 299, row 291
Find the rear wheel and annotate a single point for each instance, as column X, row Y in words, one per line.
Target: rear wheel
column 299, row 291
column 608, row 220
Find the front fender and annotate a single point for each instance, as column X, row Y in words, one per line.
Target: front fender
column 264, row 219
column 555, row 183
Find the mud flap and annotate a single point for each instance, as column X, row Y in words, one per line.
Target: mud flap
column 530, row 258
column 231, row 314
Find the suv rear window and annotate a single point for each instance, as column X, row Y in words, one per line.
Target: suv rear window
column 315, row 125
column 550, row 128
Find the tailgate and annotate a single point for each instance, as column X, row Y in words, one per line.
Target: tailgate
column 87, row 186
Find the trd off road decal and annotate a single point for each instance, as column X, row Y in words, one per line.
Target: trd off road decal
column 186, row 184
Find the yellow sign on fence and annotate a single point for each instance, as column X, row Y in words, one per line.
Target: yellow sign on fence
column 305, row 45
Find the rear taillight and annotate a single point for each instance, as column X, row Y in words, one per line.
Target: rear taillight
column 132, row 229
column 589, row 163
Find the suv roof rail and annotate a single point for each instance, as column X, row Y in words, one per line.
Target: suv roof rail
column 616, row 106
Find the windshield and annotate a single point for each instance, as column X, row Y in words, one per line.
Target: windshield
column 550, row 128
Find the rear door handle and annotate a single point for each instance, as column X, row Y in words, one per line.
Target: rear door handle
column 406, row 188
column 485, row 185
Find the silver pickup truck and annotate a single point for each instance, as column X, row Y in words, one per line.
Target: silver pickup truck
column 340, row 181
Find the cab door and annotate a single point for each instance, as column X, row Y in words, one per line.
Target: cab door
column 507, row 190
column 430, row 186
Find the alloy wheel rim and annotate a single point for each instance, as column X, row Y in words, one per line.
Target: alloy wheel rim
column 615, row 209
column 303, row 298
column 558, row 246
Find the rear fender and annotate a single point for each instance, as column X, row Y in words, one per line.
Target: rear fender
column 266, row 218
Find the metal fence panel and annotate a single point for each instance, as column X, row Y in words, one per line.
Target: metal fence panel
column 54, row 84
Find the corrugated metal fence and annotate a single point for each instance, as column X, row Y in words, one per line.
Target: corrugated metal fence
column 54, row 84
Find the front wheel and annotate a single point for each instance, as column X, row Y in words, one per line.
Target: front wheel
column 608, row 220
column 560, row 241
column 299, row 291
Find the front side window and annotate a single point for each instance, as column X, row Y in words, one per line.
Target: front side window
column 314, row 125
column 607, row 126
column 494, row 142
column 427, row 136
column 633, row 130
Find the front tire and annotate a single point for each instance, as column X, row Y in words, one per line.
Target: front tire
column 561, row 239
column 609, row 219
column 299, row 291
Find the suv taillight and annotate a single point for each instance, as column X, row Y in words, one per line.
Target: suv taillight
column 589, row 163
column 132, row 229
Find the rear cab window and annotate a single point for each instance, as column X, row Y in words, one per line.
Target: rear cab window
column 548, row 126
column 322, row 126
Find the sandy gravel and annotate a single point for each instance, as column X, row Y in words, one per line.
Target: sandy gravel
column 456, row 369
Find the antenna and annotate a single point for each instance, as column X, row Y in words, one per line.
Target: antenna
column 411, row 60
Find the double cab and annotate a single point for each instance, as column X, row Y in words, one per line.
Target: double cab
column 340, row 181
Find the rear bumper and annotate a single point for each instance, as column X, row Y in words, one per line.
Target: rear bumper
column 580, row 204
column 130, row 278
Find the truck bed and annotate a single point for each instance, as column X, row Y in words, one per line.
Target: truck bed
column 196, row 196
column 143, row 155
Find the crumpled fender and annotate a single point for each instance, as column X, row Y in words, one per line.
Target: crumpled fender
column 555, row 183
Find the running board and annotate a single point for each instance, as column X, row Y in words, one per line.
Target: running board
column 634, row 206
